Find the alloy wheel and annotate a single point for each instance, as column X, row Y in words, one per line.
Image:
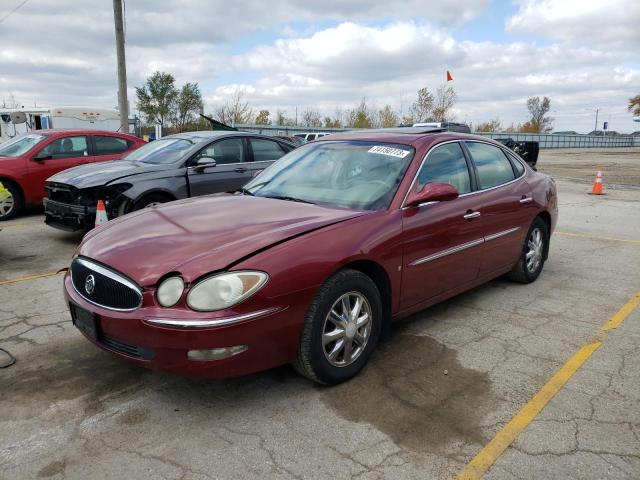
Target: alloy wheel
column 346, row 329
column 6, row 205
column 535, row 250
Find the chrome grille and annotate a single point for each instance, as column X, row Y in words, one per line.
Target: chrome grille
column 103, row 286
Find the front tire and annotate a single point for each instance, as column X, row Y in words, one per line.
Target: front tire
column 341, row 328
column 533, row 255
column 12, row 205
column 150, row 201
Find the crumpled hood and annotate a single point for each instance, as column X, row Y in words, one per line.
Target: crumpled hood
column 200, row 235
column 102, row 173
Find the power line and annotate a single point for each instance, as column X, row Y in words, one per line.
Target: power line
column 13, row 11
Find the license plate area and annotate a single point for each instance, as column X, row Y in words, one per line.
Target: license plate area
column 84, row 320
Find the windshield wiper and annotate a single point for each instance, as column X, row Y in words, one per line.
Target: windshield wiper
column 244, row 191
column 288, row 198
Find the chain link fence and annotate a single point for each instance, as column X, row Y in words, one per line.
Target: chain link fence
column 546, row 140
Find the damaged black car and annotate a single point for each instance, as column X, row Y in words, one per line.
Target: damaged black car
column 171, row 168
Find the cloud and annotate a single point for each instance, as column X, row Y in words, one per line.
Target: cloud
column 605, row 25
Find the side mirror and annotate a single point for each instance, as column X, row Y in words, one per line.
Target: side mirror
column 40, row 156
column 203, row 163
column 432, row 192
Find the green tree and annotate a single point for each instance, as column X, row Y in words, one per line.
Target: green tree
column 157, row 97
column 387, row 117
column 423, row 106
column 539, row 122
column 188, row 105
column 360, row 117
column 263, row 118
column 332, row 122
column 634, row 105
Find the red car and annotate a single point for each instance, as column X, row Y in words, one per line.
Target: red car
column 311, row 261
column 27, row 160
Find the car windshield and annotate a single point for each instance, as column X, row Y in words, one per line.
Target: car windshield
column 350, row 174
column 165, row 150
column 20, row 145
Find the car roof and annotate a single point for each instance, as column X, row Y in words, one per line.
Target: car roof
column 414, row 136
column 80, row 131
column 204, row 135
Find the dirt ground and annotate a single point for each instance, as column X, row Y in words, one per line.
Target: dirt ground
column 621, row 166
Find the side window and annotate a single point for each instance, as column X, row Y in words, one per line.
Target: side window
column 517, row 165
column 110, row 145
column 67, row 147
column 266, row 150
column 446, row 164
column 311, row 136
column 494, row 168
column 229, row 150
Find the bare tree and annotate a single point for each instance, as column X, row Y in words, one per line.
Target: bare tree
column 445, row 99
column 423, row 106
column 387, row 117
column 236, row 109
column 539, row 122
column 10, row 102
column 311, row 118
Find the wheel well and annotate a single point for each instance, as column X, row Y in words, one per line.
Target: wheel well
column 158, row 193
column 379, row 276
column 546, row 218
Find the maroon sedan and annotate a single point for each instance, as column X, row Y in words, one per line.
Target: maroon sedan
column 26, row 161
column 314, row 258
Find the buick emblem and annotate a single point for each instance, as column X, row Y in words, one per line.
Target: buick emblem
column 90, row 284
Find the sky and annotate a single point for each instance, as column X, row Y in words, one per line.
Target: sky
column 326, row 55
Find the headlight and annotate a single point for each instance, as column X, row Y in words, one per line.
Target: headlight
column 170, row 291
column 225, row 290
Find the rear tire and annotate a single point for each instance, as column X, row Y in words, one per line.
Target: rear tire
column 13, row 205
column 150, row 201
column 341, row 328
column 533, row 255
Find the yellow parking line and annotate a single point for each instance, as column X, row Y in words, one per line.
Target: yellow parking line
column 28, row 277
column 595, row 237
column 18, row 225
column 479, row 465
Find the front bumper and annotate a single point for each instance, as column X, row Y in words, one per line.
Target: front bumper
column 271, row 339
column 68, row 217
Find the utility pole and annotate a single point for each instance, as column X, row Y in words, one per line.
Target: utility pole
column 123, row 104
column 596, row 127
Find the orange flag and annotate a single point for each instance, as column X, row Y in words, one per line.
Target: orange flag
column 449, row 77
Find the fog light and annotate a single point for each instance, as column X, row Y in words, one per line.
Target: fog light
column 215, row 353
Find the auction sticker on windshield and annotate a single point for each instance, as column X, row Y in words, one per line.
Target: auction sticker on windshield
column 393, row 152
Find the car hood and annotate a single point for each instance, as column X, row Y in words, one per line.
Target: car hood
column 201, row 235
column 102, row 173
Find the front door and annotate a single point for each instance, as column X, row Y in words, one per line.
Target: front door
column 230, row 172
column 58, row 155
column 443, row 240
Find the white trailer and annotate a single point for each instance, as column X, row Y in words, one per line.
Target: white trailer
column 16, row 121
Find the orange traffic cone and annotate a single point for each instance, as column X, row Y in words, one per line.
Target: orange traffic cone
column 597, row 185
column 101, row 214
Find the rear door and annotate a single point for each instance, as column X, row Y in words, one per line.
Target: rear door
column 106, row 147
column 505, row 205
column 264, row 152
column 442, row 240
column 231, row 171
column 60, row 154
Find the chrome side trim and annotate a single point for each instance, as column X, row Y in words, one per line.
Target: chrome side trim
column 218, row 322
column 493, row 236
column 113, row 276
column 446, row 252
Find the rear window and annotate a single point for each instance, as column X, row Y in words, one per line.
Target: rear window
column 110, row 145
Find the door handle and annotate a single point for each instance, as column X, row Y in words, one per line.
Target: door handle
column 240, row 170
column 471, row 215
column 526, row 199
